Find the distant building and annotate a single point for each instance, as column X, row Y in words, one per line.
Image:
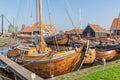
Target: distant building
column 94, row 30
column 48, row 30
column 115, row 27
column 74, row 32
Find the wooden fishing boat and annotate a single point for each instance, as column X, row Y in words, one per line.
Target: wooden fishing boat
column 69, row 41
column 107, row 52
column 66, row 42
column 57, row 40
column 46, row 62
column 64, row 39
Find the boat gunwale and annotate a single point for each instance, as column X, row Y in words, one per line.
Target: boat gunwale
column 50, row 60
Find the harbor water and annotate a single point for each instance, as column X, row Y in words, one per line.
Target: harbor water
column 3, row 51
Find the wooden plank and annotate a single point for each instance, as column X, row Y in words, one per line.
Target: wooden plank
column 18, row 70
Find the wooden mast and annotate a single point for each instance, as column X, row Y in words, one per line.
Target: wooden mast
column 42, row 43
column 2, row 23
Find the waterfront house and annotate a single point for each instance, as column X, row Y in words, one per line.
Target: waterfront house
column 48, row 30
column 115, row 27
column 94, row 30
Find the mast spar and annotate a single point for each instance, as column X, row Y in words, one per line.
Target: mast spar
column 42, row 43
column 2, row 23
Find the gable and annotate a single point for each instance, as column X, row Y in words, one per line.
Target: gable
column 98, row 28
column 116, row 24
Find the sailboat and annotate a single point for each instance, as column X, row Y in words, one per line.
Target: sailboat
column 46, row 62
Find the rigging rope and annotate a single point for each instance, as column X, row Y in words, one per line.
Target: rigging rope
column 18, row 11
column 80, row 17
column 69, row 16
column 86, row 51
column 51, row 65
column 12, row 26
column 36, row 10
column 50, row 19
column 49, row 12
column 8, row 20
column 68, row 13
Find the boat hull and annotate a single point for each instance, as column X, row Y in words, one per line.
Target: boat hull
column 90, row 56
column 106, row 54
column 59, row 40
column 53, row 67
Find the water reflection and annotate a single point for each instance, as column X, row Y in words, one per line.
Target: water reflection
column 1, row 79
column 4, row 50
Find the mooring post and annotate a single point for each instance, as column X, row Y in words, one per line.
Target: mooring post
column 52, row 76
column 104, row 61
column 33, row 76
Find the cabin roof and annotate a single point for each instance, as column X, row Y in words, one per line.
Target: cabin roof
column 116, row 24
column 74, row 31
column 36, row 25
column 26, row 29
column 97, row 28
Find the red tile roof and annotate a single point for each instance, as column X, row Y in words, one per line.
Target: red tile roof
column 115, row 24
column 45, row 26
column 97, row 28
column 26, row 29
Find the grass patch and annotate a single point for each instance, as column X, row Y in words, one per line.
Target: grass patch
column 4, row 39
column 108, row 74
column 65, row 78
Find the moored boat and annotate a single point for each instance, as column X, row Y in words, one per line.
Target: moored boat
column 57, row 40
column 46, row 62
column 43, row 64
column 107, row 52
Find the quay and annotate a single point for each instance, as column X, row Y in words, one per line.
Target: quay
column 18, row 70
